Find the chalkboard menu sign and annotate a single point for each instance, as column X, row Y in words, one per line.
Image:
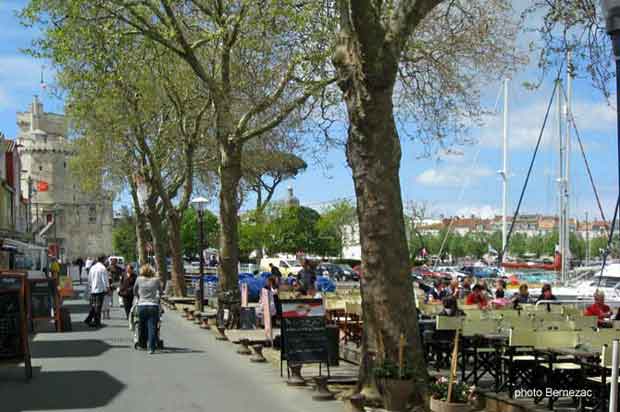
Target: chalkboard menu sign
column 304, row 336
column 13, row 314
column 10, row 324
column 40, row 299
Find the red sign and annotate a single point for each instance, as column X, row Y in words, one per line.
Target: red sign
column 42, row 186
column 52, row 250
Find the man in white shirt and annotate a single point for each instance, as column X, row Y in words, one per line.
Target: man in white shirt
column 87, row 265
column 98, row 286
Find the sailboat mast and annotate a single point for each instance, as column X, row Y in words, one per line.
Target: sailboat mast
column 561, row 180
column 569, row 115
column 505, row 169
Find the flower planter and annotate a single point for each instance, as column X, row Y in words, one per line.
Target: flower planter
column 437, row 405
column 396, row 393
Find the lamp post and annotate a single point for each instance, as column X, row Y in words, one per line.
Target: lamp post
column 200, row 203
column 611, row 12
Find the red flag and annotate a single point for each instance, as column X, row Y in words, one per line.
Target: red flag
column 42, row 186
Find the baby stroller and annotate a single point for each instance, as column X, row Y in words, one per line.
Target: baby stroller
column 140, row 333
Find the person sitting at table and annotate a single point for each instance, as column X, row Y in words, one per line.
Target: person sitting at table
column 451, row 307
column 465, row 287
column 500, row 288
column 454, row 288
column 599, row 308
column 477, row 297
column 438, row 292
column 546, row 294
column 522, row 297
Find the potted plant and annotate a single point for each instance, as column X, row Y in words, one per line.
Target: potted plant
column 395, row 384
column 462, row 394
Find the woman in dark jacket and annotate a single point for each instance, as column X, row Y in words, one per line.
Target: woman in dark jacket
column 126, row 290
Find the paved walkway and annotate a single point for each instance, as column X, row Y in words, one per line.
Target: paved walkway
column 98, row 370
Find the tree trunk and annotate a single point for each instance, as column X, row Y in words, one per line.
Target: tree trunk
column 230, row 174
column 176, row 254
column 374, row 153
column 159, row 244
column 141, row 237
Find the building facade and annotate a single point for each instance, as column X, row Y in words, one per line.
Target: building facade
column 72, row 223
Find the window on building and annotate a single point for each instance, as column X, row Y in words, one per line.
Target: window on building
column 40, row 168
column 92, row 214
column 64, row 164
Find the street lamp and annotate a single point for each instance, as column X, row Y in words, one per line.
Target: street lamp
column 200, row 204
column 611, row 12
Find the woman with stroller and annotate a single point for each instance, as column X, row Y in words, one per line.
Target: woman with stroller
column 148, row 290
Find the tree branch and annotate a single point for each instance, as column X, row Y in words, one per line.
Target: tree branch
column 288, row 109
column 407, row 16
column 265, row 103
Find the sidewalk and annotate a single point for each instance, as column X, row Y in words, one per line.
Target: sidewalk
column 98, row 370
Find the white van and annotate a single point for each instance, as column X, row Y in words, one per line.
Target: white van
column 287, row 267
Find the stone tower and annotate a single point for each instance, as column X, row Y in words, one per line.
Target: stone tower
column 72, row 223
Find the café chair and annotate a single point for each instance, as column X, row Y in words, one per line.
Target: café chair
column 559, row 371
column 479, row 352
column 600, row 383
column 520, row 360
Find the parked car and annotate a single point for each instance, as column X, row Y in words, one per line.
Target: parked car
column 287, row 267
column 331, row 270
column 350, row 274
column 358, row 270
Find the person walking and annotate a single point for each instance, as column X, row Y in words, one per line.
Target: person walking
column 80, row 264
column 148, row 290
column 98, row 285
column 126, row 289
column 87, row 265
column 116, row 274
column 275, row 272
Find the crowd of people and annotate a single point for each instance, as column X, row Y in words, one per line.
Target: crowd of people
column 143, row 290
column 448, row 292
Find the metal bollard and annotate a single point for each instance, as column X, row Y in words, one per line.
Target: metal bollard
column 322, row 392
column 245, row 347
column 258, row 356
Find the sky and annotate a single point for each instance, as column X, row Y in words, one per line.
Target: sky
column 462, row 184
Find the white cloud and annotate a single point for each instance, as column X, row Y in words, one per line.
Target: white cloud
column 525, row 123
column 452, row 176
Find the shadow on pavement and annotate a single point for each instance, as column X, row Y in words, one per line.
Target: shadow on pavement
column 60, row 390
column 167, row 350
column 71, row 348
column 78, row 309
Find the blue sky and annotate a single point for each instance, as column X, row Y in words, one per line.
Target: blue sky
column 454, row 184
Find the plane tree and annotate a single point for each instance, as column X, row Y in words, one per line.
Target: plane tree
column 284, row 43
column 424, row 63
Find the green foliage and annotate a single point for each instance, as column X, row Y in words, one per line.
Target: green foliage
column 190, row 237
column 124, row 240
column 293, row 229
column 476, row 244
column 332, row 224
column 284, row 229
